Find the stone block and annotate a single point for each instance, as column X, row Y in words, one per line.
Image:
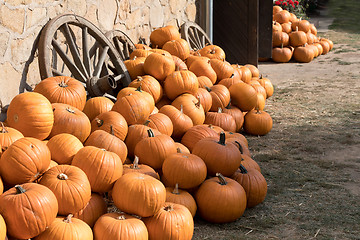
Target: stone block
column 33, row 74
column 12, row 19
column 76, row 6
column 134, row 19
column 4, row 40
column 9, row 82
column 21, row 49
column 34, row 17
column 124, row 9
column 191, row 12
column 156, row 15
column 107, row 13
column 91, row 14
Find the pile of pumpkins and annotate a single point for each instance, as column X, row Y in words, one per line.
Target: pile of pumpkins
column 294, row 38
column 168, row 148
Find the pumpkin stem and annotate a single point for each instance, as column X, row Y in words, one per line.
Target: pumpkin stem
column 178, row 150
column 219, row 110
column 3, row 130
column 62, row 84
column 232, row 76
column 243, row 169
column 19, row 189
column 213, row 51
column 150, row 133
column 208, row 89
column 112, row 130
column 146, row 123
column 62, row 176
column 139, row 78
column 139, row 89
column 121, row 217
column 135, row 164
column 176, row 189
column 240, row 147
column 222, row 138
column 282, row 45
column 221, row 179
column 68, row 218
column 169, row 208
column 70, row 110
column 181, row 108
column 99, row 122
column 198, row 103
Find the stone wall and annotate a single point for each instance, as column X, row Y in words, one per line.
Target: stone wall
column 22, row 20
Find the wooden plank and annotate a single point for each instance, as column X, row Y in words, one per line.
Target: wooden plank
column 236, row 28
column 265, row 28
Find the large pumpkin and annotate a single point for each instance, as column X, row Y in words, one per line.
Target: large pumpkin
column 141, row 168
column 139, row 194
column 96, row 105
column 111, row 122
column 159, row 66
column 220, row 200
column 63, row 89
column 181, row 122
column 120, row 226
column 24, row 161
column 102, row 167
column 63, row 147
column 68, row 119
column 179, row 48
column 70, row 186
column 243, row 96
column 31, row 113
column 203, row 68
column 28, row 209
column 95, row 208
column 257, row 122
column 172, row 221
column 67, row 228
column 150, row 85
column 160, row 36
column 180, row 82
column 196, row 133
column 185, row 169
column 191, row 107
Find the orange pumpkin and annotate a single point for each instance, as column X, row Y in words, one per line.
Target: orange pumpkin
column 223, row 69
column 150, row 85
column 237, row 114
column 220, row 97
column 141, row 168
column 257, row 122
column 159, row 66
column 135, row 66
column 62, row 89
column 179, row 64
column 160, row 36
column 2, row 228
column 203, row 68
column 95, row 208
column 223, row 120
column 63, row 147
column 182, row 197
column 191, row 107
column 212, row 52
column 179, row 48
column 243, row 96
column 180, row 82
column 181, row 122
column 195, row 134
column 8, row 136
column 96, row 105
column 162, row 123
column 111, row 121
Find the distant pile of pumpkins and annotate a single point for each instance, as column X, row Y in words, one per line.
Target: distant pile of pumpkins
column 294, row 38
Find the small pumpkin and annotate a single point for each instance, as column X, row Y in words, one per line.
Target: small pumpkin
column 223, row 69
column 205, row 98
column 179, row 196
column 95, row 208
column 161, row 122
column 257, row 122
column 178, row 47
column 160, row 36
column 237, row 114
column 220, row 97
column 221, row 119
column 180, row 82
column 63, row 147
column 203, row 68
column 181, row 122
column 141, row 168
column 135, row 66
column 213, row 52
column 159, row 66
column 96, row 105
column 196, row 133
column 297, row 38
column 303, row 54
column 111, row 122
column 281, row 54
column 191, row 107
column 243, row 96
column 282, row 17
column 8, row 136
column 150, row 85
column 179, row 64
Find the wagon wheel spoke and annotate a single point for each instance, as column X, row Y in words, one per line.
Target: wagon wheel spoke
column 86, row 51
column 194, row 35
column 122, row 42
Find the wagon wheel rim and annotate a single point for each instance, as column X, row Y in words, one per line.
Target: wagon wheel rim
column 194, row 35
column 122, row 42
column 70, row 45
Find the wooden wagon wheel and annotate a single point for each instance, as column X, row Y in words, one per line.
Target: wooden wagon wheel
column 122, row 43
column 70, row 45
column 194, row 35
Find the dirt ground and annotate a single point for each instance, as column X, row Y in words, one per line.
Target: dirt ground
column 311, row 158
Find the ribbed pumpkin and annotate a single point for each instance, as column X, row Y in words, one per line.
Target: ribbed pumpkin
column 120, row 226
column 185, row 169
column 111, row 121
column 62, row 89
column 2, row 228
column 257, row 122
column 326, row 47
column 153, row 150
column 24, row 161
column 276, row 26
column 63, row 147
column 141, row 168
column 218, row 155
column 1, row 187
column 67, row 228
column 140, row 52
column 203, row 68
column 159, row 66
column 204, row 82
column 31, row 114
column 227, row 82
column 303, row 54
column 70, row 186
column 172, row 221
column 182, row 197
column 297, row 38
column 180, row 82
column 243, row 96
column 281, row 54
column 181, row 122
column 192, row 58
column 191, row 107
column 181, row 148
column 8, row 136
column 179, row 48
column 212, row 51
column 220, row 200
column 150, row 85
column 160, row 36
column 139, row 194
column 179, row 64
column 95, row 208
column 237, row 114
column 136, row 133
column 286, row 27
column 238, row 136
column 220, row 97
column 223, row 69
column 223, row 120
column 68, row 119
column 205, row 99
column 28, row 209
column 135, row 66
column 196, row 133
column 161, row 122
column 282, row 17
column 96, row 105
column 253, row 183
column 280, row 38
column 102, row 167
column 109, row 142
column 244, row 72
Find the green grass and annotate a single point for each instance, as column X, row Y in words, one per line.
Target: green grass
column 346, row 14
